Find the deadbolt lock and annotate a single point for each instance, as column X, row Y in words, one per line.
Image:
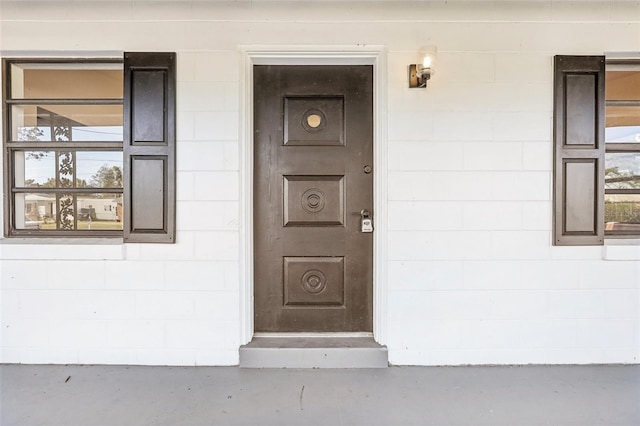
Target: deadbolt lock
column 366, row 223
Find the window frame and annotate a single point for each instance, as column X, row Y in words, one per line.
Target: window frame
column 10, row 147
column 610, row 148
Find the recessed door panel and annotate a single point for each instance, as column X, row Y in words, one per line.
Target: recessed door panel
column 313, row 153
column 313, row 200
column 314, row 120
column 313, row 281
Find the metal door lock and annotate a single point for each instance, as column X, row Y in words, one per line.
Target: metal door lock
column 366, row 223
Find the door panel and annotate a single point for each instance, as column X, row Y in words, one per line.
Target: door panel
column 313, row 138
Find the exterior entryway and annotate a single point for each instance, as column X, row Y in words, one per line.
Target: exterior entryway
column 313, row 185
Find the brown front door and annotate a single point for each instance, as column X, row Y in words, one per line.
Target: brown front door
column 313, row 153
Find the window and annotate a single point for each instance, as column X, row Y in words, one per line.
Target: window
column 89, row 147
column 622, row 152
column 64, row 147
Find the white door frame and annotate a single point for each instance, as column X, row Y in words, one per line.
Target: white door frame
column 314, row 55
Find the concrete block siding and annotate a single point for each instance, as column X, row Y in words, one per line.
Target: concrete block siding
column 472, row 275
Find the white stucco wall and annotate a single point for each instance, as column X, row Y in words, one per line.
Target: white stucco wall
column 472, row 277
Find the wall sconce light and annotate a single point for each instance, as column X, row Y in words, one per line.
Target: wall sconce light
column 421, row 72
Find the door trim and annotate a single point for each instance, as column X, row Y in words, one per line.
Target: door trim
column 314, row 55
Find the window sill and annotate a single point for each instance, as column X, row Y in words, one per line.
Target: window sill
column 621, row 249
column 61, row 249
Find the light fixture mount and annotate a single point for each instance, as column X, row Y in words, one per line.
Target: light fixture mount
column 418, row 76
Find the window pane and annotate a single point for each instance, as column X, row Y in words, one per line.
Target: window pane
column 622, row 212
column 66, row 81
column 66, row 212
column 99, row 169
column 100, row 212
column 622, row 85
column 623, row 124
column 92, row 169
column 35, row 169
column 35, row 211
column 44, row 211
column 622, row 170
column 64, row 123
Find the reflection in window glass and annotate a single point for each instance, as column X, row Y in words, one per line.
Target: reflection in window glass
column 35, row 168
column 76, row 169
column 68, row 212
column 622, row 124
column 35, row 211
column 622, row 170
column 623, row 134
column 100, row 211
column 622, row 212
column 622, row 83
column 65, row 123
column 66, row 80
column 100, row 169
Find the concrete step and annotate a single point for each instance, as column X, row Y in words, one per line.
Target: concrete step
column 313, row 351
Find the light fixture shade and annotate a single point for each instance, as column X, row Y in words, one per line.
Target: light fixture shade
column 427, row 57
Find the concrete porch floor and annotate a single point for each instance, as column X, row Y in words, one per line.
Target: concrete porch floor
column 121, row 395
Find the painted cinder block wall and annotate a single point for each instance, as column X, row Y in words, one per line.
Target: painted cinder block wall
column 472, row 277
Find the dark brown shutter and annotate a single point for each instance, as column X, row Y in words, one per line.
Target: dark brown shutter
column 149, row 147
column 578, row 131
